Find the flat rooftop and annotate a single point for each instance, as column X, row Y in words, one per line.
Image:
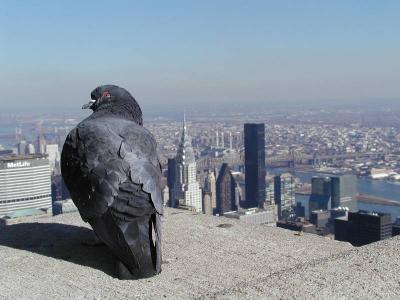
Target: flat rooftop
column 21, row 157
column 203, row 257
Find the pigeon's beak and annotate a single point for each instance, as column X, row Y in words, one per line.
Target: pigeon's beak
column 89, row 104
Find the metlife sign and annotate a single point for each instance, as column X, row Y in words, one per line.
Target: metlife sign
column 18, row 164
column 10, row 164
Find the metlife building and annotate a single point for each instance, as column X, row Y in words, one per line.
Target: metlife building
column 25, row 183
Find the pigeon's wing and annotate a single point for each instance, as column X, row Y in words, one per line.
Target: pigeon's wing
column 84, row 160
column 138, row 150
column 100, row 168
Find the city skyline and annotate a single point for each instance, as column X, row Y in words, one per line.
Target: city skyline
column 204, row 53
column 263, row 144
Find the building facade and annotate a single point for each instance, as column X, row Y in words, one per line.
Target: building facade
column 22, row 145
column 320, row 218
column 165, row 195
column 303, row 226
column 254, row 143
column 255, row 216
column 344, row 191
column 226, row 190
column 171, row 180
column 30, row 149
column 270, row 190
column 320, row 198
column 334, row 191
column 396, row 227
column 40, row 144
column 25, row 183
column 186, row 192
column 362, row 228
column 64, row 206
column 207, row 205
column 53, row 156
column 210, row 187
column 284, row 195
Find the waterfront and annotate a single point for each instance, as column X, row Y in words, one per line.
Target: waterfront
column 379, row 188
column 394, row 211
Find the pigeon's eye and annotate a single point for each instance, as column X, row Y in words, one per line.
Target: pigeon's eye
column 106, row 94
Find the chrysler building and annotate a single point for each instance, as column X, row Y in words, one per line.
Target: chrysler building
column 187, row 192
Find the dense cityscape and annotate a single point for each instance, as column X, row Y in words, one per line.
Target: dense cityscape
column 313, row 175
column 200, row 149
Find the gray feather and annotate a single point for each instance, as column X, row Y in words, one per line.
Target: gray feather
column 105, row 154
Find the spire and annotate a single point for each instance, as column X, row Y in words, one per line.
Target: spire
column 184, row 120
column 185, row 150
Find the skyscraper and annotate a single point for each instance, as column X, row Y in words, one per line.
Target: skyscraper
column 41, row 145
column 334, row 191
column 53, row 155
column 22, row 145
column 270, row 190
column 171, row 180
column 165, row 195
column 30, row 148
column 362, row 228
column 187, row 192
column 321, row 193
column 226, row 188
column 207, row 207
column 284, row 195
column 210, row 187
column 25, row 183
column 64, row 190
column 254, row 143
column 344, row 191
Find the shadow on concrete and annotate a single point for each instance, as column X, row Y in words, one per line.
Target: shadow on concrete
column 59, row 241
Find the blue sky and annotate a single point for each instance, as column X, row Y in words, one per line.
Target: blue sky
column 53, row 53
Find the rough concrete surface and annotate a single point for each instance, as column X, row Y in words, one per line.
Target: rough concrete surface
column 48, row 259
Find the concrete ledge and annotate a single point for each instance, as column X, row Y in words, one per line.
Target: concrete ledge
column 202, row 259
column 28, row 219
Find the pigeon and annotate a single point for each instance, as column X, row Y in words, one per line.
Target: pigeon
column 110, row 166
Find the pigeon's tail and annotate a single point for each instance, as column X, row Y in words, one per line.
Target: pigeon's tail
column 145, row 262
column 132, row 229
column 155, row 235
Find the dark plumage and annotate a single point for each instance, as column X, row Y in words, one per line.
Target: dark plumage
column 110, row 166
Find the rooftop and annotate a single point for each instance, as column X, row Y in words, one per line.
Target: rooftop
column 204, row 257
column 27, row 212
column 15, row 157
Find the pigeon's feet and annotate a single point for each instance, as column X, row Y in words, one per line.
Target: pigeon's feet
column 121, row 271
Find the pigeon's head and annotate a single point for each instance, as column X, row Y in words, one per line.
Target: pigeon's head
column 115, row 100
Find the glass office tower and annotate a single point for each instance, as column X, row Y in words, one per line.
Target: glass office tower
column 254, row 143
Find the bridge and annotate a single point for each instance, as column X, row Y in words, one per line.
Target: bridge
column 307, row 159
column 216, row 162
column 290, row 160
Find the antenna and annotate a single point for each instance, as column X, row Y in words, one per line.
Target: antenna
column 184, row 119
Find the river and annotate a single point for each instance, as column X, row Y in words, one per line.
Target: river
column 378, row 188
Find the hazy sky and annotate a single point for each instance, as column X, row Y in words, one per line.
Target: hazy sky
column 53, row 53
